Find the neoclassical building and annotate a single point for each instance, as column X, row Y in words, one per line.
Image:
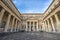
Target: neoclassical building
column 32, row 22
column 11, row 20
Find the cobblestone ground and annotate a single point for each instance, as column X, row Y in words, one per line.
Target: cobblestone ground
column 31, row 36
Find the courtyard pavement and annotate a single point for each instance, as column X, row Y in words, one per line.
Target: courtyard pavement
column 31, row 36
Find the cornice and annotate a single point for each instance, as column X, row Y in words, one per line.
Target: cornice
column 52, row 10
column 10, row 8
column 49, row 6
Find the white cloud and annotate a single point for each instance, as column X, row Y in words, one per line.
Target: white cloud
column 28, row 11
column 32, row 11
column 31, row 7
column 14, row 1
column 19, row 10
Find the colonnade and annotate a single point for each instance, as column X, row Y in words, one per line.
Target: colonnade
column 8, row 23
column 31, row 26
column 52, row 24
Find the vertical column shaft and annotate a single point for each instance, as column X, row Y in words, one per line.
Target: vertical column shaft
column 44, row 26
column 37, row 26
column 57, row 21
column 49, row 26
column 16, row 26
column 13, row 24
column 7, row 23
column 26, row 26
column 30, row 26
column 1, row 15
column 33, row 27
column 52, row 24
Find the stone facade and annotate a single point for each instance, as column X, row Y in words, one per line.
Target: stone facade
column 13, row 21
column 9, row 17
column 52, row 17
column 32, row 22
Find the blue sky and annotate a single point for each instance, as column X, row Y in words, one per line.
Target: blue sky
column 32, row 6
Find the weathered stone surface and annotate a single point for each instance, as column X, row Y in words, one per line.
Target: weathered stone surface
column 32, row 36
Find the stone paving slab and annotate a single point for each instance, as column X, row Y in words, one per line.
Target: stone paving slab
column 31, row 36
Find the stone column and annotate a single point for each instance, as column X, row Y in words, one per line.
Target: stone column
column 26, row 26
column 37, row 26
column 16, row 25
column 33, row 26
column 52, row 24
column 7, row 23
column 30, row 26
column 13, row 24
column 58, row 23
column 19, row 26
column 46, row 26
column 1, row 15
column 43, row 26
column 49, row 26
